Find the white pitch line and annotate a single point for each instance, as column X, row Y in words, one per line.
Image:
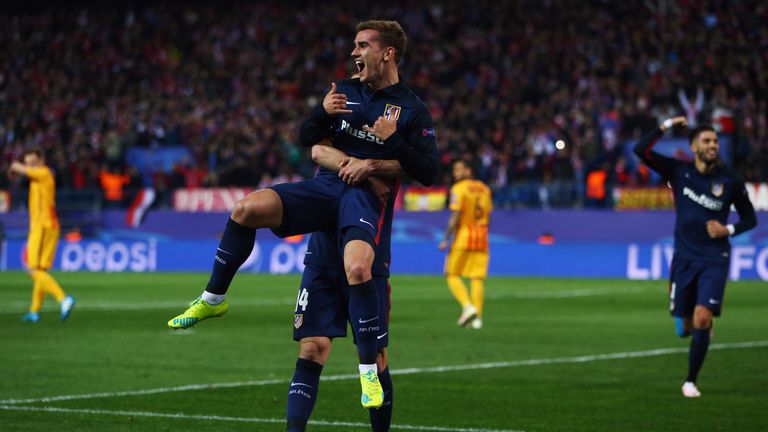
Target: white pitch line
column 587, row 292
column 239, row 419
column 16, row 307
column 408, row 371
column 19, row 306
column 188, row 387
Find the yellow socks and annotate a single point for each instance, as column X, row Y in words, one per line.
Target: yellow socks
column 44, row 283
column 459, row 290
column 478, row 294
column 37, row 295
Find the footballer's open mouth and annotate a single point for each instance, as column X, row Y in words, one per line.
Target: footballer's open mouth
column 360, row 65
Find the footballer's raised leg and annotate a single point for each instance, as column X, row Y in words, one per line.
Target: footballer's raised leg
column 261, row 209
column 287, row 209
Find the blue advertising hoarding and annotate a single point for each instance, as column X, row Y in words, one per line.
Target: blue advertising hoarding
column 621, row 260
column 587, row 243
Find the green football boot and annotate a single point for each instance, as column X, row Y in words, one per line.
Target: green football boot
column 198, row 310
column 373, row 394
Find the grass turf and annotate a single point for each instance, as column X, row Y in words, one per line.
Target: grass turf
column 116, row 340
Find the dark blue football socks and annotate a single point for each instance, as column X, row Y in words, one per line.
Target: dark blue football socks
column 699, row 347
column 302, row 394
column 381, row 418
column 235, row 247
column 364, row 317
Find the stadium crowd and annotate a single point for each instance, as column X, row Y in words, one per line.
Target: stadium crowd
column 504, row 82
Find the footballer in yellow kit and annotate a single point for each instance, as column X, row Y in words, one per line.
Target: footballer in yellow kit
column 471, row 206
column 43, row 234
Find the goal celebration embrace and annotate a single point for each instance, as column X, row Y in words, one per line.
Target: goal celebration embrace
column 448, row 216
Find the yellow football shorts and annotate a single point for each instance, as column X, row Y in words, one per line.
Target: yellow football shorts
column 470, row 264
column 41, row 248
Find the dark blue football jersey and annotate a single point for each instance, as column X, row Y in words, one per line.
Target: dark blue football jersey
column 698, row 199
column 413, row 144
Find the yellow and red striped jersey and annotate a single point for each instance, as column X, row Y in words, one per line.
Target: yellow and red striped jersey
column 42, row 198
column 472, row 199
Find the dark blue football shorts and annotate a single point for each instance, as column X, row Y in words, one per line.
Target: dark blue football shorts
column 324, row 203
column 359, row 207
column 696, row 283
column 309, row 205
column 322, row 304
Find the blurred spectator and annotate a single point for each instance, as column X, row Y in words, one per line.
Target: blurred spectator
column 112, row 182
column 597, row 181
column 504, row 81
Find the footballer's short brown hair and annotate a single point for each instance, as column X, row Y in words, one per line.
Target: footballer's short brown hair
column 391, row 33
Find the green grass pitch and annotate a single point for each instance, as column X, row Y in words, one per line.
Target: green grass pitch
column 555, row 355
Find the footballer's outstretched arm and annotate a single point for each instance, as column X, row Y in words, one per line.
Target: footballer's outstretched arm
column 644, row 147
column 18, row 168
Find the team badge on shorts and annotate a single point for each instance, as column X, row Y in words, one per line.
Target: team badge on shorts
column 392, row 112
column 717, row 189
column 298, row 320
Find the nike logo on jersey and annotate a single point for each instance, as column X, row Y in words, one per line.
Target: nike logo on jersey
column 382, row 335
column 361, row 321
column 714, row 301
column 222, row 250
column 300, row 384
column 366, row 222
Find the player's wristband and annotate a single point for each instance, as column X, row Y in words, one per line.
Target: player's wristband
column 667, row 123
column 731, row 229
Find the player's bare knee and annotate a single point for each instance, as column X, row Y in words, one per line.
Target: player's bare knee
column 240, row 212
column 315, row 349
column 702, row 318
column 702, row 322
column 260, row 209
column 357, row 272
column 358, row 259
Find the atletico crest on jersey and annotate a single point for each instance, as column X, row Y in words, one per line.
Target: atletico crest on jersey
column 392, row 112
column 717, row 189
column 298, row 320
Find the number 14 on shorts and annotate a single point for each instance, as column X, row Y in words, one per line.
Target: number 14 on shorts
column 302, row 300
